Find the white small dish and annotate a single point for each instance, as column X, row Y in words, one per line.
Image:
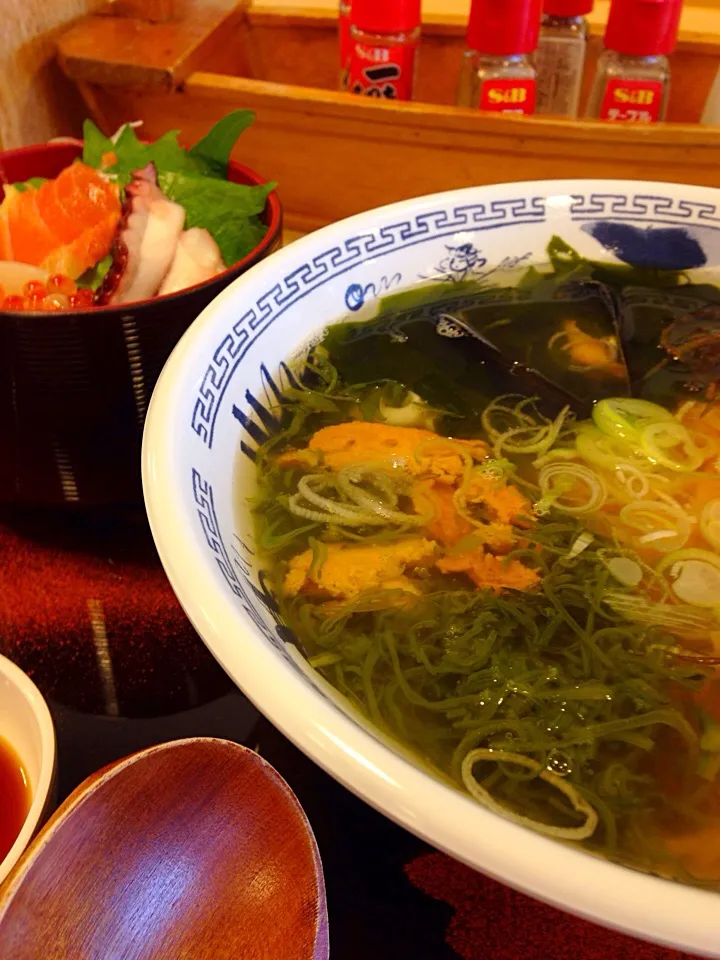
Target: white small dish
column 26, row 724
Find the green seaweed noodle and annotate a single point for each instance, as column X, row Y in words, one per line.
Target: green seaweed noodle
column 552, row 675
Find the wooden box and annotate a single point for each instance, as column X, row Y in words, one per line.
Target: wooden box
column 335, row 154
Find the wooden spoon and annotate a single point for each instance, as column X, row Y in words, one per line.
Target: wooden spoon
column 192, row 849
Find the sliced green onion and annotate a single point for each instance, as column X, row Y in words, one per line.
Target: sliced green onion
column 635, row 481
column 656, row 480
column 671, row 445
column 512, row 416
column 652, row 581
column 695, row 576
column 660, row 535
column 531, row 439
column 495, row 469
column 479, row 793
column 680, row 618
column 552, row 456
column 710, row 523
column 324, row 660
column 557, row 480
column 364, row 509
column 604, row 451
column 626, row 571
column 306, row 491
column 665, row 527
column 319, row 558
column 626, row 417
column 579, row 545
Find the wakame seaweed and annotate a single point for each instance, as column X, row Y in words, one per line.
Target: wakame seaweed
column 553, row 674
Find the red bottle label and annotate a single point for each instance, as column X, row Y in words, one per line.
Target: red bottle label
column 508, row 96
column 382, row 71
column 345, row 41
column 632, row 101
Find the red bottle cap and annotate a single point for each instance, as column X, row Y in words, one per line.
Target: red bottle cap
column 643, row 28
column 385, row 16
column 568, row 8
column 504, row 27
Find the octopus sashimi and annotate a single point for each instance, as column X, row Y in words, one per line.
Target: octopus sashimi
column 145, row 242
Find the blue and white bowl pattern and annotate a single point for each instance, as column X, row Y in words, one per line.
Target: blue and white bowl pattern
column 214, row 405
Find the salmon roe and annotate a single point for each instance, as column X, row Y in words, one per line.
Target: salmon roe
column 55, row 301
column 13, row 302
column 58, row 293
column 81, row 300
column 59, row 283
column 34, row 288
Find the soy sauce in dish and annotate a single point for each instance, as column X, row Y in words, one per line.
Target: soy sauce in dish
column 14, row 797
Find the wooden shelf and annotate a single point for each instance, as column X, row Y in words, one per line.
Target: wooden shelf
column 111, row 48
column 335, row 154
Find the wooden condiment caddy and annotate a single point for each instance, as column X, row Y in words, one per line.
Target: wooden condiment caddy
column 335, row 154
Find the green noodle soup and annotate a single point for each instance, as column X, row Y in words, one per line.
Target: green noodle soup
column 491, row 519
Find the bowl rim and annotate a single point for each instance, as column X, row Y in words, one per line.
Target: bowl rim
column 41, row 790
column 571, row 879
column 273, row 209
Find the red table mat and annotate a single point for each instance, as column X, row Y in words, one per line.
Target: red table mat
column 86, row 609
column 493, row 922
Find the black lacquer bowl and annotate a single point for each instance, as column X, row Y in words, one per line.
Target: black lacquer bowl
column 74, row 387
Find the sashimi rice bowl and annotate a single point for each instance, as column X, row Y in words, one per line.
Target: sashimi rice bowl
column 125, row 220
column 110, row 247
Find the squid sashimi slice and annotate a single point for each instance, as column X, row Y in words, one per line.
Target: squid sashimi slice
column 197, row 259
column 14, row 276
column 147, row 240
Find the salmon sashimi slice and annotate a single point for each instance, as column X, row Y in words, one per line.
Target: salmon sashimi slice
column 30, row 237
column 79, row 195
column 73, row 259
column 50, row 205
column 65, row 226
column 6, row 250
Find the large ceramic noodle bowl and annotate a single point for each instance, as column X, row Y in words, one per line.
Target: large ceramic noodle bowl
column 496, row 620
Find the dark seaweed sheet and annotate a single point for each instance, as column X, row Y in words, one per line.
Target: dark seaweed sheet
column 636, row 305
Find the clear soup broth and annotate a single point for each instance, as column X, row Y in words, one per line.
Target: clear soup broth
column 491, row 519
